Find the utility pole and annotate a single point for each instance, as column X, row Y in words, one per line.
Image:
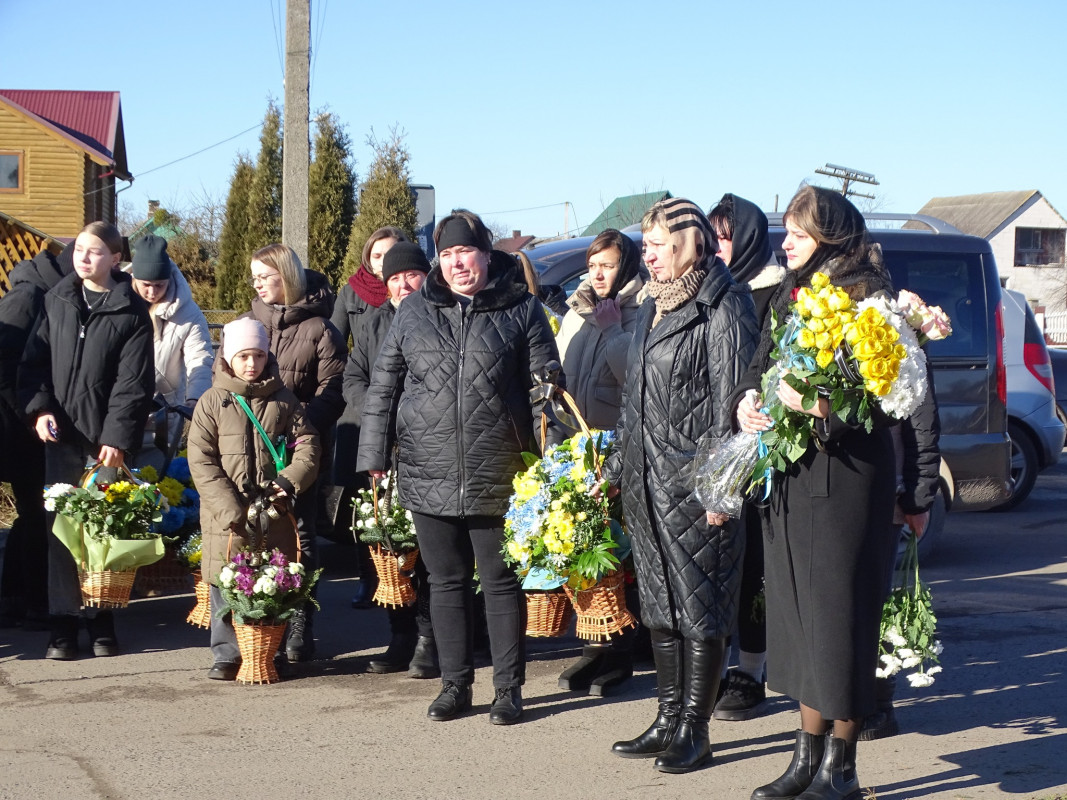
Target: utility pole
column 848, row 177
column 297, row 148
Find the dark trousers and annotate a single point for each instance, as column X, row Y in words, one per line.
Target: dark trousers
column 450, row 546
column 25, row 573
column 752, row 624
column 223, row 636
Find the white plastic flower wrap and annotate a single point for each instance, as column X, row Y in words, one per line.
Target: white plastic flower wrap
column 723, row 471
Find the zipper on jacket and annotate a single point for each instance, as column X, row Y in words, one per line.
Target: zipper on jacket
column 459, row 412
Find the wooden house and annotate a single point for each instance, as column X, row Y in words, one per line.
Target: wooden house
column 60, row 155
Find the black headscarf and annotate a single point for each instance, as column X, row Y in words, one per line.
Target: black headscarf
column 752, row 247
column 629, row 265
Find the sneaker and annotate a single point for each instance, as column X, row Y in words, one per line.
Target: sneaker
column 454, row 699
column 742, row 698
column 506, row 708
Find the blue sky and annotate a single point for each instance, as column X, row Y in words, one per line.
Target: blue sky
column 511, row 106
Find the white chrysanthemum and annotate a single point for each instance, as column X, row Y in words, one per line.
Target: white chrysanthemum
column 270, row 571
column 265, row 585
column 909, row 389
column 937, row 648
column 296, row 568
column 226, row 577
column 366, row 509
column 894, row 638
column 911, row 662
column 920, row 680
column 934, row 669
column 905, row 652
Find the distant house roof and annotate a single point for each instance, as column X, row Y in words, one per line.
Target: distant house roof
column 90, row 120
column 513, row 243
column 979, row 214
column 623, row 211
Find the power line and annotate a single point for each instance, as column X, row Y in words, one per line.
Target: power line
column 531, row 208
column 318, row 40
column 277, row 40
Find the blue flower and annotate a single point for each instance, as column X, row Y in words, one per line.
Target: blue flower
column 190, row 497
column 179, row 470
column 173, row 519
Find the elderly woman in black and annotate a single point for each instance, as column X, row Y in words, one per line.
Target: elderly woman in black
column 830, row 514
column 693, row 340
column 453, row 379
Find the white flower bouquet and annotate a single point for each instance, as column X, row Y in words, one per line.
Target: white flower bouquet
column 908, row 631
column 265, row 586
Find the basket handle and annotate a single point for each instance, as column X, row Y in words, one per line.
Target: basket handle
column 296, row 537
column 89, row 476
column 377, row 518
column 577, row 414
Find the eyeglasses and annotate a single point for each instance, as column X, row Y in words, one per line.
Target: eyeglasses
column 257, row 280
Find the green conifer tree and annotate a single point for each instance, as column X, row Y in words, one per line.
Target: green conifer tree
column 231, row 286
column 386, row 197
column 265, row 196
column 332, row 204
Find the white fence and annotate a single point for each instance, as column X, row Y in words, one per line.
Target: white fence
column 1055, row 325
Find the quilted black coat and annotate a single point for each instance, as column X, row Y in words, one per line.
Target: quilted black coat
column 92, row 370
column 455, row 379
column 679, row 378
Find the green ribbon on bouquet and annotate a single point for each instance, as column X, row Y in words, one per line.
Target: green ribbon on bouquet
column 117, row 555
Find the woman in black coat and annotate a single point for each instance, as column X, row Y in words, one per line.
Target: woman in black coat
column 453, row 380
column 693, row 340
column 744, row 246
column 830, row 516
column 411, row 646
column 86, row 379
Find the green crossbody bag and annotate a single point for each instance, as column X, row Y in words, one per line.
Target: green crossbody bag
column 277, row 448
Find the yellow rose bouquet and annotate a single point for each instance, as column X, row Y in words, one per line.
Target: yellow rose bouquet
column 860, row 356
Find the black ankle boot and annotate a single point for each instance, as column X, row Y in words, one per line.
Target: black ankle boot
column 616, row 668
column 423, row 662
column 397, row 655
column 102, row 634
column 63, row 644
column 807, row 757
column 836, row 778
column 690, row 747
column 882, row 723
column 667, row 653
column 300, row 645
column 578, row 677
column 454, row 699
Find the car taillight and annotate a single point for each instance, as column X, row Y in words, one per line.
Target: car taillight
column 1035, row 356
column 1002, row 375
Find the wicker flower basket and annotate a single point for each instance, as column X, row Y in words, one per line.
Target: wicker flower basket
column 200, row 616
column 601, row 609
column 107, row 589
column 166, row 576
column 548, row 614
column 258, row 643
column 394, row 586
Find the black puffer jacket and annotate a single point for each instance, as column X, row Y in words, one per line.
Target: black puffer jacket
column 456, row 378
column 360, row 364
column 98, row 385
column 679, row 379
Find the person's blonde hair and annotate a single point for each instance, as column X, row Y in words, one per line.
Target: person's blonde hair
column 282, row 258
column 529, row 272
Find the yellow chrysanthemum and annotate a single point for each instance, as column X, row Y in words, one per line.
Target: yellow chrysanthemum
column 820, row 280
column 172, row 490
column 148, row 473
column 823, row 358
column 806, row 338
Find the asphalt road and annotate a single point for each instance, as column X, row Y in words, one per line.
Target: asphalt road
column 148, row 724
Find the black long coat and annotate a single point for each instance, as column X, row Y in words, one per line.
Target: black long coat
column 679, row 378
column 93, row 370
column 455, row 380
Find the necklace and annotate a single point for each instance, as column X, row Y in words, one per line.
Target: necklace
column 91, row 306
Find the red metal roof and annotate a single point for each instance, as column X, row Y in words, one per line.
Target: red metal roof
column 90, row 117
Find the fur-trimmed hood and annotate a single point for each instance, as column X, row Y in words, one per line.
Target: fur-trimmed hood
column 770, row 275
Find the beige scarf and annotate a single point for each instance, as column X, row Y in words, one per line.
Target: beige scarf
column 672, row 294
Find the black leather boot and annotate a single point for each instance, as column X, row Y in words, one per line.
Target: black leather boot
column 102, row 634
column 836, row 778
column 423, row 662
column 578, row 677
column 807, row 757
column 690, row 747
column 667, row 653
column 397, row 655
column 617, row 666
column 63, row 644
column 300, row 645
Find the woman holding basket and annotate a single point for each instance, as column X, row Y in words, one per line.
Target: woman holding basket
column 86, row 379
column 451, row 385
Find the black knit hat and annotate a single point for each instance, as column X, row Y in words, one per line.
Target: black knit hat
column 150, row 260
column 401, row 257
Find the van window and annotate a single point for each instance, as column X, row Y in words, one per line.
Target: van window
column 954, row 282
